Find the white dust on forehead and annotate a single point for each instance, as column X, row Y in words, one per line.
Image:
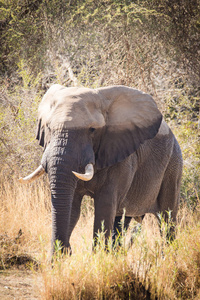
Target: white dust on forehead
column 76, row 110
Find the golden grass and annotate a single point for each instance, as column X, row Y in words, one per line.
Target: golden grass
column 24, row 217
column 150, row 269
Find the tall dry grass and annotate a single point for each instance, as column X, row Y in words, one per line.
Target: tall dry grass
column 25, row 218
column 150, row 269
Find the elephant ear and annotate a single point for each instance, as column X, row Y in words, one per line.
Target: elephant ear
column 132, row 117
column 43, row 134
column 46, row 106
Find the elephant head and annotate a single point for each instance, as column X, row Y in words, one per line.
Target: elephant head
column 84, row 130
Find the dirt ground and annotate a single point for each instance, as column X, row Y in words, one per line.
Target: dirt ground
column 20, row 284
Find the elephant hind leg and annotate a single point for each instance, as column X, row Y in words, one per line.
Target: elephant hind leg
column 167, row 225
column 169, row 196
column 167, row 221
column 118, row 227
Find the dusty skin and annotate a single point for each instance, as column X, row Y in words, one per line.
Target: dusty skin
column 20, row 284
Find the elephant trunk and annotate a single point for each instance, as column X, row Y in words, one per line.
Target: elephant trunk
column 62, row 193
column 60, row 159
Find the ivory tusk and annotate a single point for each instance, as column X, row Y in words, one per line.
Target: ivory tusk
column 89, row 173
column 37, row 173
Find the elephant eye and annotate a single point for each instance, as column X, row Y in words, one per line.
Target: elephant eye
column 92, row 129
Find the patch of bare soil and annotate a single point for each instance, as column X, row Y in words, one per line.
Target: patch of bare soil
column 20, row 284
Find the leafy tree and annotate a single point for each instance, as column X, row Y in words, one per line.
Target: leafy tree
column 151, row 45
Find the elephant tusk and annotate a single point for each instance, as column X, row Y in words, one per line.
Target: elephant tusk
column 89, row 173
column 37, row 173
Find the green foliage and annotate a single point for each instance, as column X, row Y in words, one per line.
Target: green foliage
column 150, row 45
column 21, row 29
column 177, row 24
column 18, row 107
column 27, row 77
column 32, row 28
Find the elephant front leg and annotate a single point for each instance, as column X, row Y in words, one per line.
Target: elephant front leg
column 119, row 228
column 105, row 212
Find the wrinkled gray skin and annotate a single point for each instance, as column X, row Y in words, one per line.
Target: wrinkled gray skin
column 136, row 158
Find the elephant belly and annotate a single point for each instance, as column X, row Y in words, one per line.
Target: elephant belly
column 142, row 195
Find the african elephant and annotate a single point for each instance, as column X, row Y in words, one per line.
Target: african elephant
column 111, row 144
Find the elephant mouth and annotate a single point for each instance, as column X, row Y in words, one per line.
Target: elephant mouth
column 88, row 175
